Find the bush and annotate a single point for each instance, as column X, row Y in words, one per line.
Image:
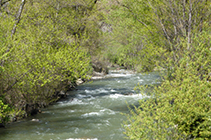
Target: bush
column 5, row 110
column 180, row 107
column 42, row 57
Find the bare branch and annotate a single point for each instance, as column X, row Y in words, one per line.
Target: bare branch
column 95, row 2
column 179, row 21
column 189, row 23
column 173, row 18
column 0, row 4
column 161, row 23
column 18, row 17
column 3, row 3
column 184, row 12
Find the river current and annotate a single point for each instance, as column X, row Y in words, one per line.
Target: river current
column 93, row 112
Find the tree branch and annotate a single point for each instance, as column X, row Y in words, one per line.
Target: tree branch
column 16, row 81
column 189, row 23
column 3, row 3
column 173, row 18
column 135, row 16
column 184, row 11
column 18, row 17
column 0, row 5
column 161, row 23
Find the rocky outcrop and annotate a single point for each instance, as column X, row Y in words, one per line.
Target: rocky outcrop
column 99, row 67
column 62, row 94
column 79, row 82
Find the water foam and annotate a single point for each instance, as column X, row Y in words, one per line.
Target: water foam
column 80, row 96
column 73, row 101
column 108, row 111
column 117, row 75
column 88, row 91
column 81, row 139
column 115, row 96
column 101, row 112
column 91, row 114
column 135, row 96
column 112, row 90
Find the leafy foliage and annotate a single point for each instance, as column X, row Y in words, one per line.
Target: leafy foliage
column 180, row 46
column 5, row 110
column 180, row 108
column 46, row 54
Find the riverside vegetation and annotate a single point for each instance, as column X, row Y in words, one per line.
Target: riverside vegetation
column 173, row 36
column 44, row 49
column 47, row 45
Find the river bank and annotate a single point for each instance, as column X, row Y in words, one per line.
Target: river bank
column 31, row 109
column 93, row 111
column 67, row 88
column 60, row 90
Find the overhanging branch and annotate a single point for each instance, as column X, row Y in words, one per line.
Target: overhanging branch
column 3, row 3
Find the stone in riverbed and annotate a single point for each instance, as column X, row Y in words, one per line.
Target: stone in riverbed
column 79, row 82
column 35, row 120
column 62, row 94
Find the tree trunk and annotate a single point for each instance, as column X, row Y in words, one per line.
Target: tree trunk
column 189, row 24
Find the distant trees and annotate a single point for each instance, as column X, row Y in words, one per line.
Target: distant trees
column 159, row 25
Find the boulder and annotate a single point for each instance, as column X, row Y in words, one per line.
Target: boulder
column 35, row 120
column 79, row 81
column 62, row 94
column 99, row 67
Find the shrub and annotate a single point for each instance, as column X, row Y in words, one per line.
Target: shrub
column 180, row 107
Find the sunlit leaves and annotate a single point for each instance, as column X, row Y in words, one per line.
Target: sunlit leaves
column 180, row 107
column 44, row 56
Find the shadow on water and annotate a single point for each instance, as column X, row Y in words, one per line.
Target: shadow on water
column 126, row 108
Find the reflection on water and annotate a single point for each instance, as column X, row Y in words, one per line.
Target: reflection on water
column 94, row 112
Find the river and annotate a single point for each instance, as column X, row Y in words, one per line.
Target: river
column 94, row 112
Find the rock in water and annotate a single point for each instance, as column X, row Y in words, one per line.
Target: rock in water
column 35, row 120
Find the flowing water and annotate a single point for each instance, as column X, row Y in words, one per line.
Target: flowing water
column 94, row 111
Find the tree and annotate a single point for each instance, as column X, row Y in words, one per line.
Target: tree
column 180, row 107
column 45, row 53
column 154, row 30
